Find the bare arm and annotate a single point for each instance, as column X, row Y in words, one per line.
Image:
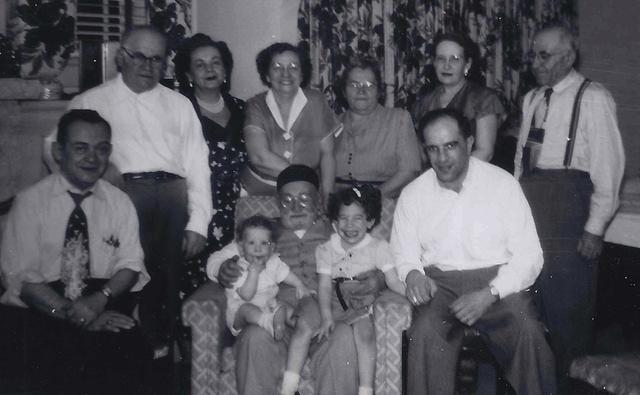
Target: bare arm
column 248, row 290
column 43, row 298
column 293, row 280
column 324, row 300
column 327, row 166
column 393, row 282
column 260, row 156
column 486, row 132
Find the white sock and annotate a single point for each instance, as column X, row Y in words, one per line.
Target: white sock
column 290, row 382
column 365, row 391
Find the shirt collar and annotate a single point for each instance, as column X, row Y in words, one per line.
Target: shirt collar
column 336, row 243
column 469, row 178
column 298, row 104
column 61, row 186
column 566, row 82
column 124, row 92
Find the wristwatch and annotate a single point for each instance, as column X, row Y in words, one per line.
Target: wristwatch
column 106, row 291
column 494, row 292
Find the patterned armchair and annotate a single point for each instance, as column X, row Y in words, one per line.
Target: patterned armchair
column 212, row 361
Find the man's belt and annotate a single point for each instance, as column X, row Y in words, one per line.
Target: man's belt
column 159, row 176
column 356, row 183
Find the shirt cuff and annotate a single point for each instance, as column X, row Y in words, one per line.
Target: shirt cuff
column 198, row 225
column 595, row 226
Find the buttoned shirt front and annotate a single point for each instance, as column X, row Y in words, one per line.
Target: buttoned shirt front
column 487, row 223
column 33, row 239
column 598, row 146
column 369, row 254
column 156, row 130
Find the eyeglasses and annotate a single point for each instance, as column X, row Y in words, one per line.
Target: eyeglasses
column 543, row 56
column 304, row 200
column 291, row 67
column 140, row 59
column 453, row 59
column 364, row 85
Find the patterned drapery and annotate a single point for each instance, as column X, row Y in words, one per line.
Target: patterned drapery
column 400, row 34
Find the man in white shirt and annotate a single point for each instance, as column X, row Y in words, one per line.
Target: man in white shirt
column 466, row 246
column 572, row 184
column 68, row 283
column 159, row 148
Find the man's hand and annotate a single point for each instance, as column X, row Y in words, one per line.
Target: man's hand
column 192, row 243
column 86, row 308
column 229, row 272
column 469, row 307
column 420, row 288
column 111, row 321
column 590, row 246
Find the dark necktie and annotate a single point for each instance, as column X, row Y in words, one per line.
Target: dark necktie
column 75, row 254
column 533, row 145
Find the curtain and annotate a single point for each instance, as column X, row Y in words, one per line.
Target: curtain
column 400, row 34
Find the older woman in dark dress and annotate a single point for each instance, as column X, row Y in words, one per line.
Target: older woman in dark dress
column 452, row 60
column 205, row 67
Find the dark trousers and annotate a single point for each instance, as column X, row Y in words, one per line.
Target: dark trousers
column 50, row 356
column 559, row 201
column 162, row 213
column 509, row 327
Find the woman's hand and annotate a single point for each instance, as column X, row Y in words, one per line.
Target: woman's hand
column 111, row 321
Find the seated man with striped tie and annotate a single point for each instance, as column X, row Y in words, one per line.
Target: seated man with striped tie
column 70, row 257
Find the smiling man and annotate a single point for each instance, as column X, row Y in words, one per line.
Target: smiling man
column 70, row 255
column 466, row 246
column 570, row 163
column 159, row 148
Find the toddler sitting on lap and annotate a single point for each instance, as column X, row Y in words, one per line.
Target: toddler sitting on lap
column 349, row 252
column 252, row 298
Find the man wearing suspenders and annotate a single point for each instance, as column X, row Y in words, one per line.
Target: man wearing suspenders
column 570, row 163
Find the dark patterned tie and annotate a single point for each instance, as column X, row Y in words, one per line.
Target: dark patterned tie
column 75, row 256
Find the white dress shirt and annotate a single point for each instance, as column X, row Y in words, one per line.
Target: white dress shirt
column 33, row 239
column 598, row 146
column 156, row 130
column 488, row 223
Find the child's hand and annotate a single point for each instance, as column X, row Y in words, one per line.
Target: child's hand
column 326, row 328
column 256, row 264
column 302, row 292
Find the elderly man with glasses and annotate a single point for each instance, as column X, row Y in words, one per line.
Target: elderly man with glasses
column 159, row 148
column 260, row 360
column 570, row 162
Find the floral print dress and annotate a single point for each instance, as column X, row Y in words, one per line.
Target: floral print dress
column 227, row 157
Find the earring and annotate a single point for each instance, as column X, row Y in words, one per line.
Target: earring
column 466, row 73
column 190, row 84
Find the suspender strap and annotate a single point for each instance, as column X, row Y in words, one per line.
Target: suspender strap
column 575, row 116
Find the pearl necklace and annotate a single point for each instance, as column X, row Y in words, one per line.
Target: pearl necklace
column 213, row 108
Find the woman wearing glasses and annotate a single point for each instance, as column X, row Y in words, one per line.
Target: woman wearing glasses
column 378, row 145
column 287, row 124
column 452, row 60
